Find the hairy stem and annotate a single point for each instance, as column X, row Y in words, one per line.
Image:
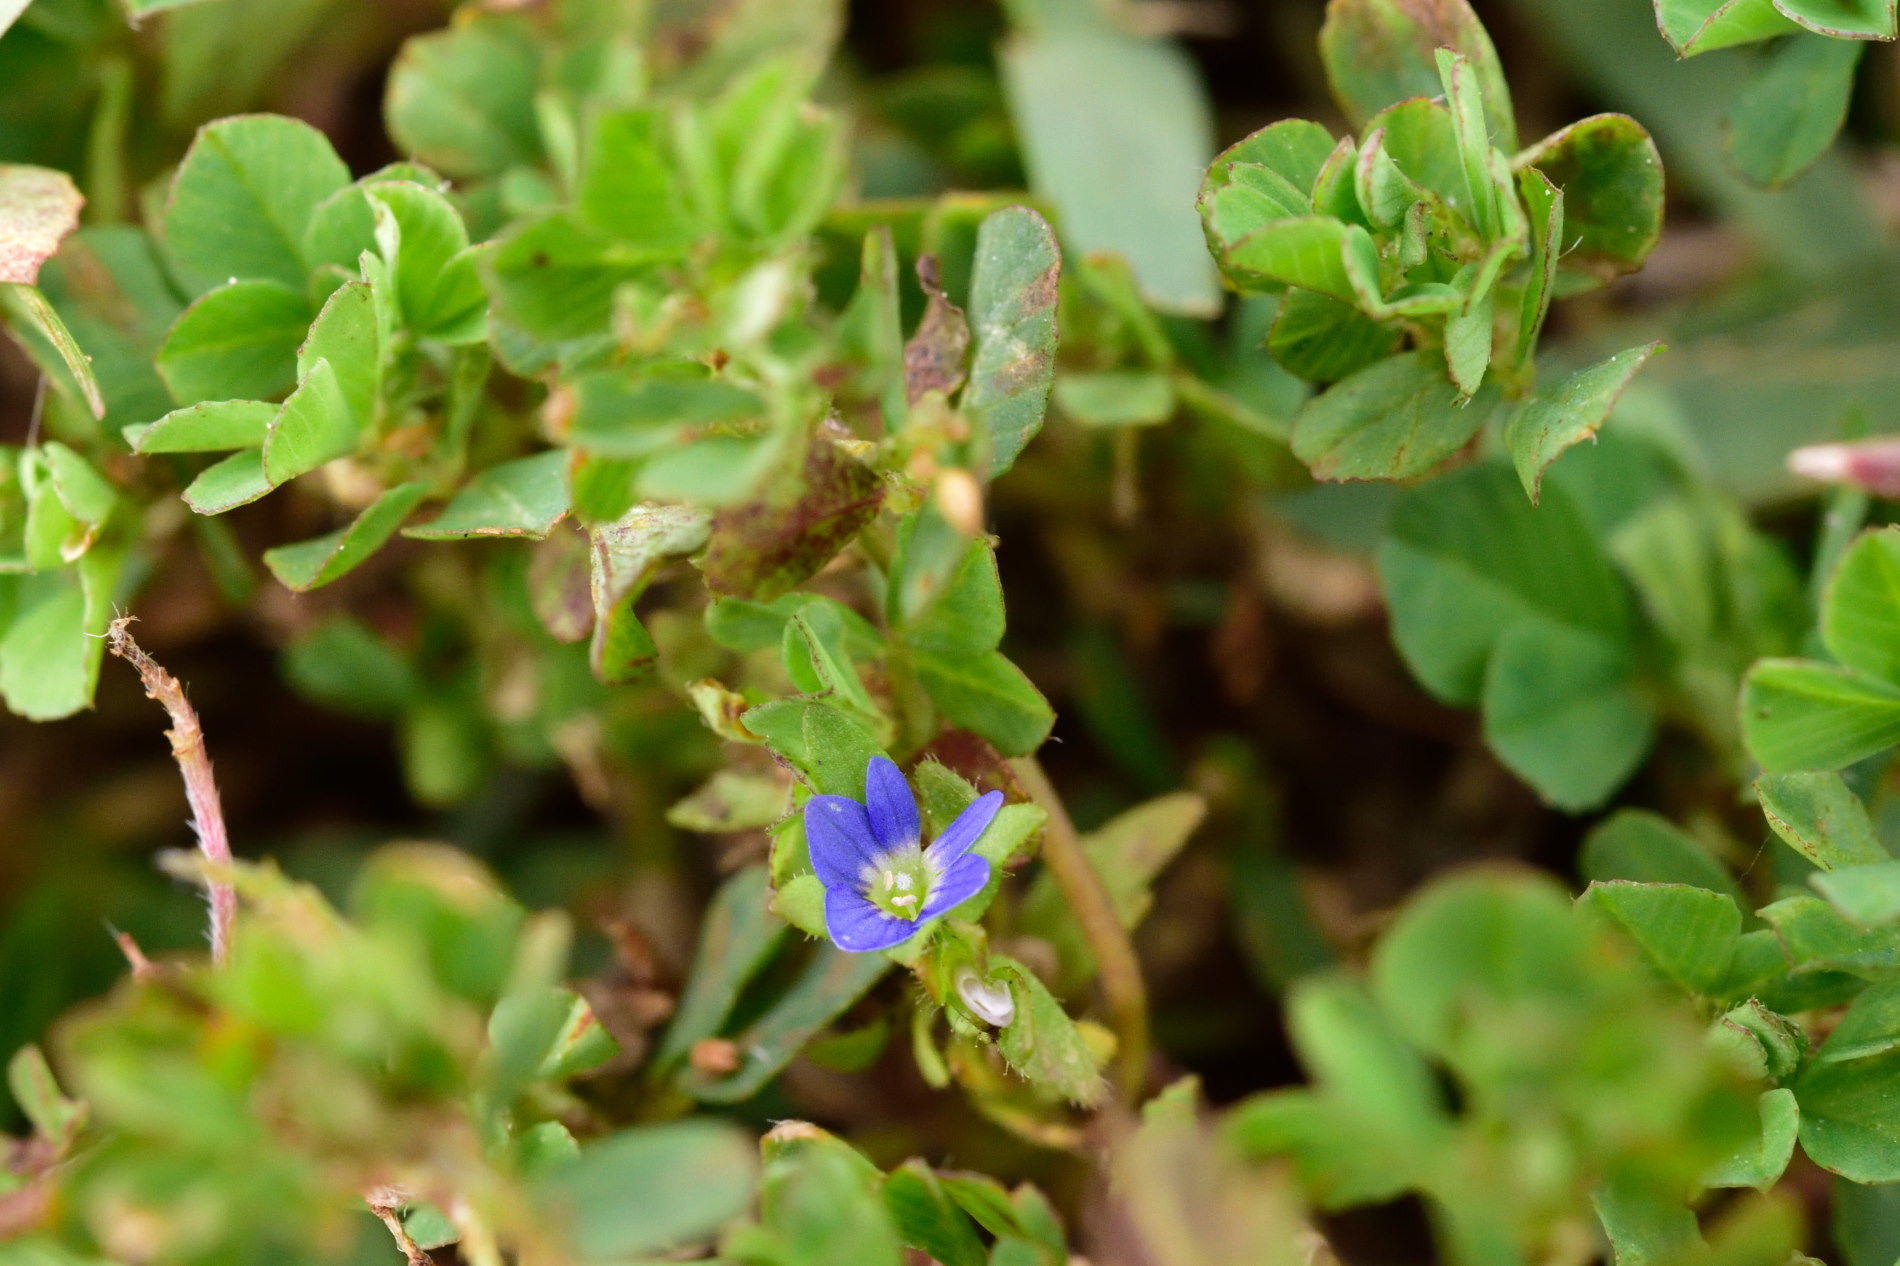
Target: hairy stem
column 1114, row 953
column 388, row 1211
column 194, row 763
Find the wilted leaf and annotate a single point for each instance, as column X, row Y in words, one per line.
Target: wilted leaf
column 38, row 208
column 761, row 550
column 935, row 356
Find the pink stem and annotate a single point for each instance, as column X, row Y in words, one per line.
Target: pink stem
column 194, row 763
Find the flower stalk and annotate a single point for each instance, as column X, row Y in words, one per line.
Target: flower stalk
column 1107, row 939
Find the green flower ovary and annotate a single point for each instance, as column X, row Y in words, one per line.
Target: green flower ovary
column 899, row 883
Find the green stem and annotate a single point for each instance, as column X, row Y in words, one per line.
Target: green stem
column 1122, row 984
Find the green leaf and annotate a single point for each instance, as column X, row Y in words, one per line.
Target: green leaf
column 653, row 1188
column 316, row 425
column 1868, row 894
column 82, row 491
column 1793, row 109
column 555, row 277
column 346, row 335
column 1545, row 203
column 1800, row 715
column 965, row 615
column 1860, row 613
column 1381, row 52
column 1814, row 934
column 28, row 304
column 1470, row 131
column 1701, row 26
column 617, row 415
column 211, row 427
column 1687, row 934
column 1499, row 936
column 1645, row 1229
column 1080, row 145
column 988, row 696
column 1761, row 1164
column 342, row 665
column 1355, row 1056
column 522, row 498
column 1116, row 397
column 225, row 485
column 1865, row 1223
column 1820, row 818
column 236, row 342
column 1292, row 149
column 632, row 186
column 243, row 198
column 817, row 660
column 1012, row 311
column 625, row 555
column 1322, row 339
column 1850, row 1116
column 1644, row 847
column 829, row 986
column 1305, row 251
column 523, row 1029
column 117, row 300
column 54, row 1116
column 1466, row 558
column 314, row 563
column 1249, row 196
column 1560, row 711
column 1842, row 19
column 425, row 244
column 50, row 653
column 1871, row 1026
column 821, row 1203
column 39, row 208
column 1042, row 1043
column 1397, row 418
column 1612, row 182
column 1558, row 417
column 462, row 99
column 928, row 1219
column 444, row 750
column 738, row 937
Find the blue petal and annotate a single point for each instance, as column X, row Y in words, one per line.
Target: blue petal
column 892, row 807
column 838, row 835
column 963, row 880
column 858, row 926
column 965, row 831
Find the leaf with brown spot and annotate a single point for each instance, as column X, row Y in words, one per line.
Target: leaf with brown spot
column 934, row 356
column 1013, row 312
column 764, row 549
column 1381, row 52
column 38, row 208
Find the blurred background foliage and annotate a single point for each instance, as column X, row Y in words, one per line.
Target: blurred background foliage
column 1200, row 614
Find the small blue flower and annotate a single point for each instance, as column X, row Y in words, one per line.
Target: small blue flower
column 881, row 883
